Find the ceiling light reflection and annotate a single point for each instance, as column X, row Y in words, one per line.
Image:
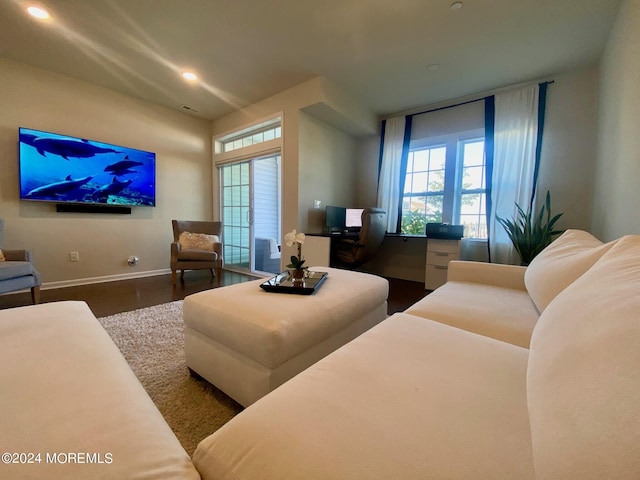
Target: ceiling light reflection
column 38, row 12
column 192, row 77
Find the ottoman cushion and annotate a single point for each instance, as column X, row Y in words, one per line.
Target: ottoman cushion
column 271, row 328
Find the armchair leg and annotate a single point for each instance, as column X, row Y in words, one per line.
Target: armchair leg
column 174, row 278
column 213, row 274
column 35, row 295
column 219, row 272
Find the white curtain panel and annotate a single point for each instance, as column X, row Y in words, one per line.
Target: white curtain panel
column 389, row 180
column 515, row 137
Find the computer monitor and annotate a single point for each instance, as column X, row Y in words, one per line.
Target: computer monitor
column 334, row 220
column 353, row 218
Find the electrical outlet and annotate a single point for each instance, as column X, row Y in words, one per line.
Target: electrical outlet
column 74, row 257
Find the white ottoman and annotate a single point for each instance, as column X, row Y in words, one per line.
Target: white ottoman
column 247, row 341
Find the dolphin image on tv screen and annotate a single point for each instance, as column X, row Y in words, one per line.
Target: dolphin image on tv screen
column 63, row 147
column 122, row 167
column 57, row 188
column 112, row 188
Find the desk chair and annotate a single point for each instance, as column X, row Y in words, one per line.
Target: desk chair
column 17, row 271
column 351, row 253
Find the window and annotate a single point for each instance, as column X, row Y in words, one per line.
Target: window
column 445, row 182
column 423, row 189
column 253, row 137
column 472, row 189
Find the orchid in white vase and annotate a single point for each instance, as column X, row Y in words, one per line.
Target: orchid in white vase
column 290, row 239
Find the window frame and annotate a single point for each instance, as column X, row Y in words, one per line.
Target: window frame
column 431, row 145
column 453, row 176
column 469, row 137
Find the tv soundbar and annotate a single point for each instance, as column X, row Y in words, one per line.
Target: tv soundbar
column 79, row 208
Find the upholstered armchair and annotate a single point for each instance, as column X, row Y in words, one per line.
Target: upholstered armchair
column 351, row 253
column 17, row 271
column 196, row 245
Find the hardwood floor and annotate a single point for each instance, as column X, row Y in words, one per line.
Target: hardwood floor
column 109, row 298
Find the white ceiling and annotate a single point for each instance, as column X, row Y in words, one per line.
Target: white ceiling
column 247, row 50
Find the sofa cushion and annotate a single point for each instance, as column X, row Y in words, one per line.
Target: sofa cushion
column 15, row 269
column 568, row 257
column 584, row 373
column 505, row 314
column 408, row 399
column 66, row 388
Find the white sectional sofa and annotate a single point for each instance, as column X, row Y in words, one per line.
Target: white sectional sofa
column 70, row 406
column 503, row 373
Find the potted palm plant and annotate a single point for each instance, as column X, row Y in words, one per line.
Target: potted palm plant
column 529, row 234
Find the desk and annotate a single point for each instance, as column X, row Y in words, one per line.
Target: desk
column 317, row 247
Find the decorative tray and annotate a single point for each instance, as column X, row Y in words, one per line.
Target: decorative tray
column 283, row 283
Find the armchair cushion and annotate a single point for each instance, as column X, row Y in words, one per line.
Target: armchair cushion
column 196, row 255
column 10, row 269
column 197, row 241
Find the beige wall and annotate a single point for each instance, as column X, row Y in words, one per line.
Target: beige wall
column 327, row 171
column 43, row 100
column 367, row 163
column 617, row 175
column 569, row 147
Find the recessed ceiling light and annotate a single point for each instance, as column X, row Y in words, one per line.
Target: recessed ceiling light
column 38, row 12
column 189, row 76
column 456, row 5
column 433, row 67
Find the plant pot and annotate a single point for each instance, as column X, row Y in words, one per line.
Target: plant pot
column 297, row 273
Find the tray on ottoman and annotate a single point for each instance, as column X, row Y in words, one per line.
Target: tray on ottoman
column 284, row 283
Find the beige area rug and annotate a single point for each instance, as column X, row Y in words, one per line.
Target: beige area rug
column 152, row 341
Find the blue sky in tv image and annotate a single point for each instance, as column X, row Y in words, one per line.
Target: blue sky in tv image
column 63, row 169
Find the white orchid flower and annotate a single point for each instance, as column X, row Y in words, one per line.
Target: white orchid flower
column 297, row 238
column 293, row 237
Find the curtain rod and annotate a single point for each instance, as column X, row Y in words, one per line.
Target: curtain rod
column 471, row 101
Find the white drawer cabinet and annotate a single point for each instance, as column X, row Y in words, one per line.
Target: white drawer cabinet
column 439, row 254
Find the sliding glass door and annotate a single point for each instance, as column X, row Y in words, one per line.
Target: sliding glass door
column 236, row 213
column 251, row 214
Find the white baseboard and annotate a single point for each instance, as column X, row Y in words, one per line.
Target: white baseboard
column 107, row 278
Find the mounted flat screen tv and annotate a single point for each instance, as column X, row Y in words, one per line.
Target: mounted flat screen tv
column 64, row 169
